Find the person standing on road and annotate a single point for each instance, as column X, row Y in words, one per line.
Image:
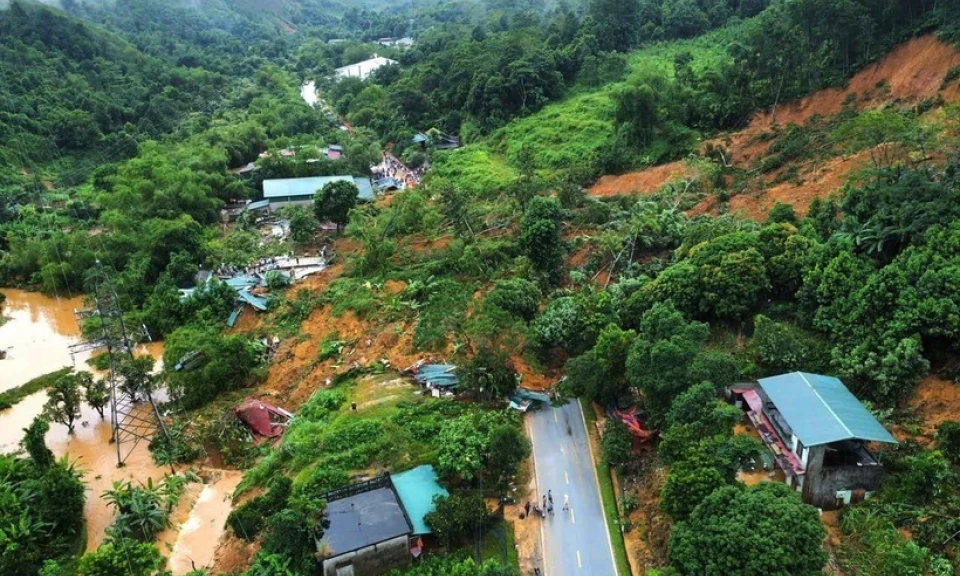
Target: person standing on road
column 550, row 496
column 544, row 502
column 566, row 501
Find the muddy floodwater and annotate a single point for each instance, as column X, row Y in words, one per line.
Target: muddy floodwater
column 37, row 334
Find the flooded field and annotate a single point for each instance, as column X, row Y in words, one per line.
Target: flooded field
column 37, row 334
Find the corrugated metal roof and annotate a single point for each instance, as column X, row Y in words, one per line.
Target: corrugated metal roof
column 306, row 188
column 253, row 300
column 258, row 205
column 439, row 375
column 820, row 409
column 364, row 519
column 416, row 489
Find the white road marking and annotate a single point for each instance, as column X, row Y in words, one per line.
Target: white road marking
column 573, row 517
column 579, row 562
column 565, row 477
column 555, row 416
column 533, row 453
column 596, row 476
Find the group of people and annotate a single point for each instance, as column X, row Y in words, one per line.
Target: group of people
column 547, row 507
column 391, row 167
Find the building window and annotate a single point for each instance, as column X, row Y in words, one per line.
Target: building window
column 799, row 449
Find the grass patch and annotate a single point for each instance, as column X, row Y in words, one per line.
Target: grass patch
column 474, row 168
column 393, row 428
column 12, row 396
column 499, row 542
column 608, row 496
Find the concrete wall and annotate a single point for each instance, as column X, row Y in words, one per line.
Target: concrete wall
column 372, row 560
column 821, row 484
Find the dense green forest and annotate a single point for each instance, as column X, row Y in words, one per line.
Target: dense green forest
column 120, row 122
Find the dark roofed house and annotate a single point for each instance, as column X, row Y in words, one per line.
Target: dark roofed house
column 375, row 525
column 818, row 432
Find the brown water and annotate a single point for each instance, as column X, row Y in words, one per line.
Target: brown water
column 40, row 330
column 37, row 335
column 194, row 541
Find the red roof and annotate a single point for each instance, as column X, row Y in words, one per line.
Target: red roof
column 264, row 419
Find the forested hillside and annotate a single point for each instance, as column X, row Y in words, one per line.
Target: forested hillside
column 649, row 201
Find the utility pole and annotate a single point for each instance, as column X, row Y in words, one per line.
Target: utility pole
column 132, row 419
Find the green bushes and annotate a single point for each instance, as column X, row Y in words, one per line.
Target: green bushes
column 517, row 296
column 212, row 363
column 9, row 398
column 948, row 440
column 781, row 347
column 445, row 565
column 877, row 548
column 248, row 519
column 721, row 532
column 457, row 516
column 42, row 510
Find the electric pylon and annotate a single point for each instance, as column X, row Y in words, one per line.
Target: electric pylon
column 134, row 412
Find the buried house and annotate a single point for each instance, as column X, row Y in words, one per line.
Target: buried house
column 377, row 525
column 818, row 432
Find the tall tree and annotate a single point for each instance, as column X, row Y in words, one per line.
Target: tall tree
column 63, row 402
column 334, row 201
column 95, row 392
column 540, row 237
column 726, row 530
column 617, row 23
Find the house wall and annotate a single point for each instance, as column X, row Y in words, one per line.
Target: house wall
column 821, row 484
column 278, row 203
column 372, row 560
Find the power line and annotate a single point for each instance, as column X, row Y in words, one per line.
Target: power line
column 132, row 420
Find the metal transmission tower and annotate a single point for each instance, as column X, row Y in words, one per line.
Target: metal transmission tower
column 134, row 412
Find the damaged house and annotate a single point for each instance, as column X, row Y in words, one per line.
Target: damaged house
column 818, row 433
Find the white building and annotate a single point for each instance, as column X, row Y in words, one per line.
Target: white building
column 363, row 70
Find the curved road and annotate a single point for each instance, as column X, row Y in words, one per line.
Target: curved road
column 575, row 542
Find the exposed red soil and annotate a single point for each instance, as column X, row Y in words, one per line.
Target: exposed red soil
column 818, row 180
column 913, row 71
column 295, row 373
column 644, row 181
column 934, row 402
column 234, row 555
column 530, row 378
column 909, row 74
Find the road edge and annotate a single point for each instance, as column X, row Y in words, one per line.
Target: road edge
column 596, row 477
column 528, row 425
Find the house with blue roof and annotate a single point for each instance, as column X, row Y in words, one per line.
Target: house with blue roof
column 280, row 192
column 818, row 433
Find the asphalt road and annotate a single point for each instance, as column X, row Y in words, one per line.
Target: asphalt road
column 575, row 542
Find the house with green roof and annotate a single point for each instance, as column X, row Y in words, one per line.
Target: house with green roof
column 819, row 434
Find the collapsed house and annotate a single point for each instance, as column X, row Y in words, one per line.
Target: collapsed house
column 818, row 433
column 377, row 525
column 264, row 420
column 437, row 379
column 631, row 419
